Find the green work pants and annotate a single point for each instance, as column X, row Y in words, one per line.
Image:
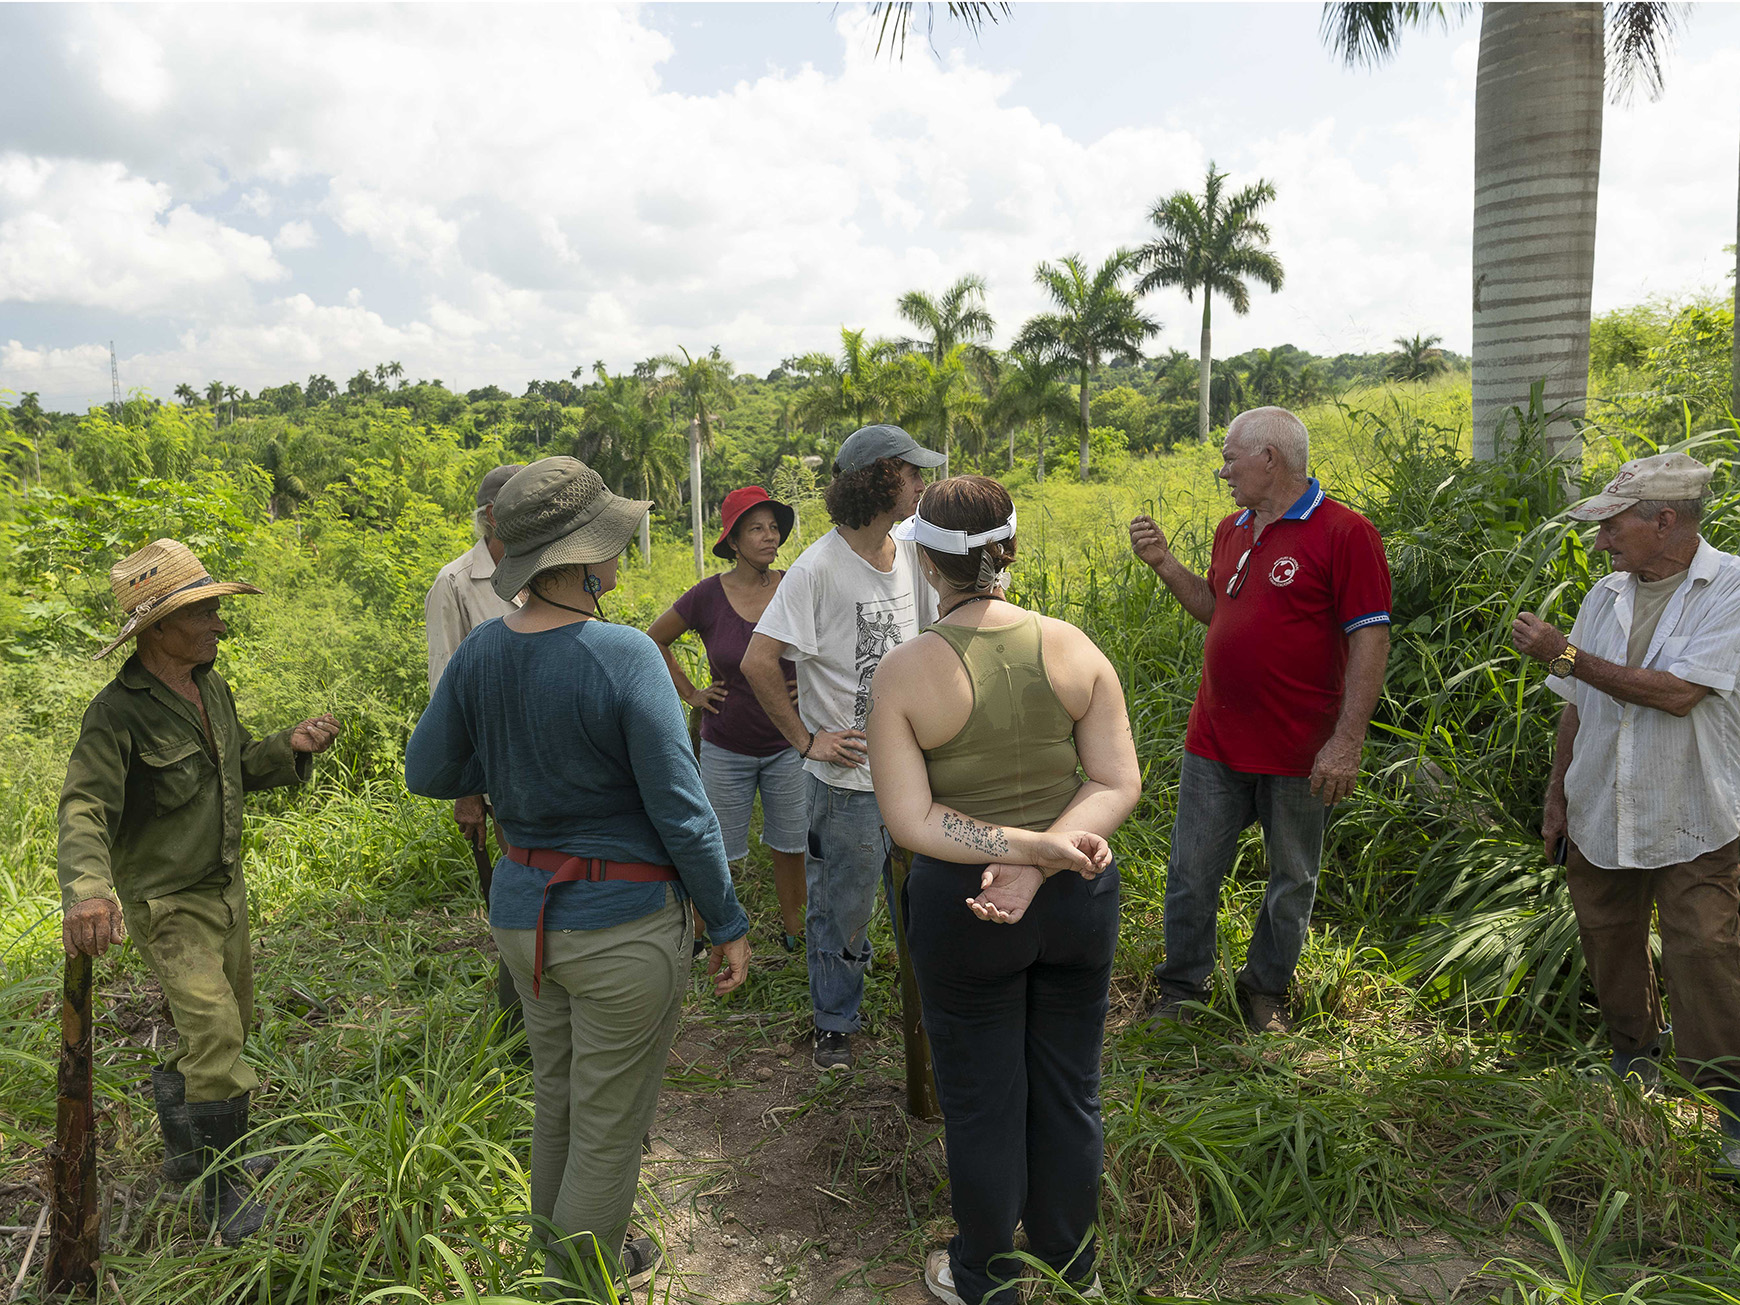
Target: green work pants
column 600, row 1031
column 196, row 943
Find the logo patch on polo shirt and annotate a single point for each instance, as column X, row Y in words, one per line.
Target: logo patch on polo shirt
column 1284, row 571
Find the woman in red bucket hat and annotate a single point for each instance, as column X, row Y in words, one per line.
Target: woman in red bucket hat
column 742, row 751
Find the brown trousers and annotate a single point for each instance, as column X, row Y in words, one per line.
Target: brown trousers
column 1698, row 903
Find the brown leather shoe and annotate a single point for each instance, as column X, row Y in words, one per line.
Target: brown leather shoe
column 1265, row 1013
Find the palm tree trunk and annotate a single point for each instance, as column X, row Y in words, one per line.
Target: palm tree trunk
column 695, row 489
column 1044, row 430
column 1204, row 365
column 947, row 441
column 1537, row 164
column 1734, row 390
column 645, row 524
column 1011, row 448
column 1084, row 422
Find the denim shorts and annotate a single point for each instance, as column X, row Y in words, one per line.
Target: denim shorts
column 731, row 780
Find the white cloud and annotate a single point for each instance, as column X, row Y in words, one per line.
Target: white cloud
column 91, row 234
column 295, row 235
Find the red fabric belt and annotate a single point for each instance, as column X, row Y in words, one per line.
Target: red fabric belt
column 566, row 869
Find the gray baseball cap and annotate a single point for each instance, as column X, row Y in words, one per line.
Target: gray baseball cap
column 873, row 443
column 493, row 482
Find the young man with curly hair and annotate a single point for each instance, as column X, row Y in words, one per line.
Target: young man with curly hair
column 854, row 594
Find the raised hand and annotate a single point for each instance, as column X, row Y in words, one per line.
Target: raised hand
column 1533, row 637
column 315, row 734
column 1148, row 541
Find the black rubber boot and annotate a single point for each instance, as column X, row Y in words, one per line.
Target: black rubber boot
column 181, row 1162
column 218, row 1130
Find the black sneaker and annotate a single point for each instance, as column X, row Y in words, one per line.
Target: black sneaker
column 833, row 1050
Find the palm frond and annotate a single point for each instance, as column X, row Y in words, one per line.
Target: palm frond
column 896, row 22
column 1639, row 34
column 1364, row 35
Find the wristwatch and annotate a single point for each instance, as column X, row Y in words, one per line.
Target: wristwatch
column 1564, row 663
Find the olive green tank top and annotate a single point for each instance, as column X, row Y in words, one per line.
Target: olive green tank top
column 1014, row 761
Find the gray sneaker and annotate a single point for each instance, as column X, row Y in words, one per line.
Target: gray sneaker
column 1264, row 1012
column 1170, row 1009
column 833, row 1050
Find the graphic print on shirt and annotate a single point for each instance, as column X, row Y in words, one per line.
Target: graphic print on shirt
column 1285, row 570
column 879, row 623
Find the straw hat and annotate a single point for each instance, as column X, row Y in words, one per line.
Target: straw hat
column 557, row 512
column 161, row 578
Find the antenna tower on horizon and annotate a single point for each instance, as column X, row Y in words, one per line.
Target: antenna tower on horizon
column 114, row 383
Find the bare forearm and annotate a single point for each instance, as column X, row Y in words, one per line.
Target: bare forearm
column 685, row 686
column 774, row 695
column 1098, row 808
column 1367, row 654
column 1562, row 746
column 947, row 835
column 1641, row 688
column 1193, row 592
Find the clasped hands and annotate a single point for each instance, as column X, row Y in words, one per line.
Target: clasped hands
column 1006, row 890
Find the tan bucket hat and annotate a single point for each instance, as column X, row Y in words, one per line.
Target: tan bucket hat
column 557, row 512
column 161, row 578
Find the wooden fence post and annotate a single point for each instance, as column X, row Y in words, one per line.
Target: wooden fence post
column 921, row 1102
column 73, row 1218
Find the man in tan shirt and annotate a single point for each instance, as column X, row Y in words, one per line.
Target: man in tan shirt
column 460, row 600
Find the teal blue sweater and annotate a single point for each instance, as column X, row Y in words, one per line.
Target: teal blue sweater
column 578, row 737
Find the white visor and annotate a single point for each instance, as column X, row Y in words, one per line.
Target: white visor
column 959, row 542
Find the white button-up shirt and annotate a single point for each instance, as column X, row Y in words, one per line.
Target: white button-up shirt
column 1647, row 788
column 460, row 600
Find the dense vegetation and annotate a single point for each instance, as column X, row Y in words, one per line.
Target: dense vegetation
column 1438, row 1080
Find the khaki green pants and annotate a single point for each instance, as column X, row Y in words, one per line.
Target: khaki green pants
column 196, row 943
column 600, row 1032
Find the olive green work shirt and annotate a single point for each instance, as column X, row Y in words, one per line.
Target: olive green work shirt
column 150, row 806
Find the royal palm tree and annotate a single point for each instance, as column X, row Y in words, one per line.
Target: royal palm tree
column 1096, row 319
column 1030, row 390
column 702, row 387
column 1210, row 244
column 628, row 437
column 187, row 394
column 957, row 316
column 395, row 371
column 214, row 395
column 231, row 394
column 321, row 388
column 896, row 16
column 30, row 421
column 1537, row 167
column 940, row 397
column 859, row 386
column 1417, row 358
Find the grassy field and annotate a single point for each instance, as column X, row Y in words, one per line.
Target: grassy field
column 1438, row 1127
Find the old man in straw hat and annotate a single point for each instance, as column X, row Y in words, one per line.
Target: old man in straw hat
column 1643, row 803
column 151, row 833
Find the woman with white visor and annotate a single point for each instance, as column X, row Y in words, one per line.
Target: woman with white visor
column 1002, row 756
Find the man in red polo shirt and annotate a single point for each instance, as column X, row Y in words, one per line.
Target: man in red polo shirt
column 1297, row 604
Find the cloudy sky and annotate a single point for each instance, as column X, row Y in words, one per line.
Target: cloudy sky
column 491, row 194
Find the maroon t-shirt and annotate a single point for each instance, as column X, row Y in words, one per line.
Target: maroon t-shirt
column 740, row 725
column 1276, row 652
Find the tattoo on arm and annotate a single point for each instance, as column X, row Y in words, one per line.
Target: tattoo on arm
column 988, row 839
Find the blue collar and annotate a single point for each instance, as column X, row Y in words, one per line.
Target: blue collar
column 1302, row 508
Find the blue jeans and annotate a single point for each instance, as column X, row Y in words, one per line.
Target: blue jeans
column 1016, row 1015
column 731, row 780
column 848, row 853
column 1215, row 805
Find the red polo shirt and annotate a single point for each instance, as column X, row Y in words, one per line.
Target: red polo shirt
column 1276, row 650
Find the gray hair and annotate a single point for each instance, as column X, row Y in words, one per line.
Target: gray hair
column 480, row 526
column 1278, row 429
column 1687, row 511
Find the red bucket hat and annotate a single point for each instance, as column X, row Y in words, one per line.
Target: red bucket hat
column 739, row 501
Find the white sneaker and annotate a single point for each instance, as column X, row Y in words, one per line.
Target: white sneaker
column 941, row 1279
column 1093, row 1290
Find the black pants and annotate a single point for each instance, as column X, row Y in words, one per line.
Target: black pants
column 1016, row 1016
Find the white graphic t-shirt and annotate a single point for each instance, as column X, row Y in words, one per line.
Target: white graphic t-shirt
column 839, row 615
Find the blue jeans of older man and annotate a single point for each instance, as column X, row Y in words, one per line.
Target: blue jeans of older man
column 1215, row 805
column 848, row 855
